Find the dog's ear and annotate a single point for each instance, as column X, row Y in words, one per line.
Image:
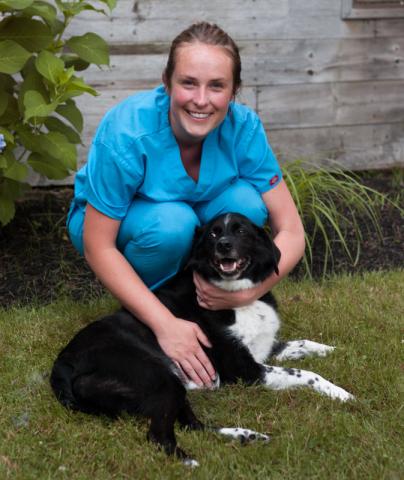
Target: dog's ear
column 197, row 237
column 265, row 234
column 277, row 255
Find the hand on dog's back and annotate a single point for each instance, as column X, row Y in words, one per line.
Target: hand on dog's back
column 181, row 341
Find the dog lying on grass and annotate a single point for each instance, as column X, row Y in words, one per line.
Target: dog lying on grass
column 116, row 365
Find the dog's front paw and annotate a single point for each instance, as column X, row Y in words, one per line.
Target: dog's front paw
column 327, row 388
column 338, row 393
column 245, row 435
column 297, row 349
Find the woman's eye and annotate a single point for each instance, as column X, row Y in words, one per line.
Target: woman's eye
column 187, row 83
column 217, row 86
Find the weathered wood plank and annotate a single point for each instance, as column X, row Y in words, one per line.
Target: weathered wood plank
column 331, row 104
column 148, row 21
column 355, row 147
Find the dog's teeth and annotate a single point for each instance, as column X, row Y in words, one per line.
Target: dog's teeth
column 228, row 266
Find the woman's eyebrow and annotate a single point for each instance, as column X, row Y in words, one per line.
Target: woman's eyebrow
column 190, row 77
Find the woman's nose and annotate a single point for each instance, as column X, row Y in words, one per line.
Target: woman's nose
column 201, row 97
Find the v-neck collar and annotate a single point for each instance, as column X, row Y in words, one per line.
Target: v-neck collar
column 195, row 188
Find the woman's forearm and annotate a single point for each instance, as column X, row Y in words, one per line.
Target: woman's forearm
column 119, row 277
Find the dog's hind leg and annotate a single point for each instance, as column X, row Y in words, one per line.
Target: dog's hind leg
column 188, row 419
column 296, row 349
column 279, row 378
column 161, row 429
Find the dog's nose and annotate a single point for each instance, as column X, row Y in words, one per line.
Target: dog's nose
column 224, row 246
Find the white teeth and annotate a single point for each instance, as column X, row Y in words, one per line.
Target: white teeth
column 199, row 115
column 228, row 267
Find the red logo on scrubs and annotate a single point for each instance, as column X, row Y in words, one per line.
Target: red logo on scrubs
column 274, row 180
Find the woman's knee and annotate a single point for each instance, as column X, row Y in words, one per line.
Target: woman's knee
column 239, row 197
column 167, row 228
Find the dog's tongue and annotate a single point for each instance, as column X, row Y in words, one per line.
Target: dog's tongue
column 228, row 265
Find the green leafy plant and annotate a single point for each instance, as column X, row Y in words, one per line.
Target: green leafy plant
column 40, row 122
column 331, row 203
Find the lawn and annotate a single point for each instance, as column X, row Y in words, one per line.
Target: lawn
column 313, row 437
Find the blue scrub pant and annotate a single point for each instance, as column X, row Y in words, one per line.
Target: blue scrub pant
column 156, row 238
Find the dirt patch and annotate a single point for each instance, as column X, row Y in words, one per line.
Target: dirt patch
column 38, row 262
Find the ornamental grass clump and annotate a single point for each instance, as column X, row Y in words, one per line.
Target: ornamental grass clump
column 333, row 203
column 40, row 123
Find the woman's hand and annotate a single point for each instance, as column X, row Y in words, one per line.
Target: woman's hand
column 181, row 341
column 214, row 298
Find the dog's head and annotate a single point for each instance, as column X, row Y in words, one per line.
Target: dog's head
column 231, row 247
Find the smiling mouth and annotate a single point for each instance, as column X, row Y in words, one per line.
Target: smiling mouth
column 198, row 115
column 230, row 266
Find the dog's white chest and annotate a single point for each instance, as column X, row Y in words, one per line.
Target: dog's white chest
column 256, row 326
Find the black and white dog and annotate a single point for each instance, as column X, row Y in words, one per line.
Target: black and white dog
column 116, row 365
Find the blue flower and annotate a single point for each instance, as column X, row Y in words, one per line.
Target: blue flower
column 2, row 143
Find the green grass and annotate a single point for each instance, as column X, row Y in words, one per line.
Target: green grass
column 313, row 437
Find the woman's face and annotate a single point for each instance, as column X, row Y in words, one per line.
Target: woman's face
column 201, row 88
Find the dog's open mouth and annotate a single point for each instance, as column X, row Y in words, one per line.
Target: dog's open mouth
column 231, row 266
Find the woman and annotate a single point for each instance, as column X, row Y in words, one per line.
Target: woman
column 165, row 161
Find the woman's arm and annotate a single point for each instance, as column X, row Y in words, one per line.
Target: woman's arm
column 289, row 238
column 178, row 338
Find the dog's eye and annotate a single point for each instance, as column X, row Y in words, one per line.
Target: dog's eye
column 212, row 235
column 241, row 231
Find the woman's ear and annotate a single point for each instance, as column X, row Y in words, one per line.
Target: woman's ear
column 165, row 82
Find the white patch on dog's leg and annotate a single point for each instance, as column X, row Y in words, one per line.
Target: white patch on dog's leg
column 279, row 378
column 190, row 462
column 296, row 349
column 245, row 435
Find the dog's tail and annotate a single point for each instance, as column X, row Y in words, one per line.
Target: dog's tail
column 61, row 383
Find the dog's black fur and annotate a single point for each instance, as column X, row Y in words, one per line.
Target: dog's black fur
column 116, row 365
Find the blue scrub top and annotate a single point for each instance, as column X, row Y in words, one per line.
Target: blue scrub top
column 134, row 153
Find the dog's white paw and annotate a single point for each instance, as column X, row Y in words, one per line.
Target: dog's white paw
column 338, row 393
column 297, row 349
column 245, row 435
column 190, row 462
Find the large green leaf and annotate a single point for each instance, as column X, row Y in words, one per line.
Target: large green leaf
column 53, row 124
column 13, row 56
column 7, row 208
column 72, row 9
column 10, row 190
column 50, row 66
column 28, row 139
column 78, row 84
column 16, row 4
column 59, row 147
column 73, row 60
column 4, row 98
column 90, row 47
column 111, row 3
column 71, row 113
column 47, row 166
column 31, row 34
column 12, row 114
column 7, row 83
column 32, row 81
column 35, row 105
column 8, row 136
column 53, row 144
column 41, row 9
column 16, row 171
